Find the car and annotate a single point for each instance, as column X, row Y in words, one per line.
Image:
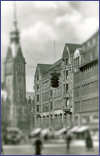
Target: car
column 13, row 135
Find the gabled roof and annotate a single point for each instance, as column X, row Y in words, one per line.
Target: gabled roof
column 92, row 36
column 56, row 64
column 71, row 48
column 14, row 52
column 44, row 67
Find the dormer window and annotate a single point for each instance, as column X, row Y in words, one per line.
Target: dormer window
column 77, row 59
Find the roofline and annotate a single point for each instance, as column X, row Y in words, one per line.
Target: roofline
column 94, row 34
column 81, row 44
column 74, row 44
column 43, row 64
column 55, row 64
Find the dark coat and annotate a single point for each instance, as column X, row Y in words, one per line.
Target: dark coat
column 38, row 146
column 68, row 140
column 89, row 142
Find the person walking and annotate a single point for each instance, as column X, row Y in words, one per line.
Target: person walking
column 68, row 140
column 38, row 145
column 2, row 151
column 88, row 141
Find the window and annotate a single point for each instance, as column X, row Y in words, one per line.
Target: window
column 66, row 88
column 94, row 41
column 50, row 92
column 37, row 98
column 66, row 61
column 18, row 66
column 51, row 106
column 67, row 102
column 66, row 74
column 37, row 108
column 46, row 107
column 37, row 87
column 92, row 56
column 77, row 58
column 37, row 76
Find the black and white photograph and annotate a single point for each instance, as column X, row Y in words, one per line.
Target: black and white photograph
column 50, row 77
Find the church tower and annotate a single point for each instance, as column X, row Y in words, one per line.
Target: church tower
column 15, row 81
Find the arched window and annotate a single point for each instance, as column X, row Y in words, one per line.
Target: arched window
column 77, row 59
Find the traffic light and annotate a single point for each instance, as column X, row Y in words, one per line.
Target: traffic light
column 55, row 80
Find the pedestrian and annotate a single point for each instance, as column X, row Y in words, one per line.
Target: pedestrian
column 68, row 140
column 88, row 141
column 2, row 152
column 38, row 145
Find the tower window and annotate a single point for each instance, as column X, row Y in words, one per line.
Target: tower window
column 37, row 98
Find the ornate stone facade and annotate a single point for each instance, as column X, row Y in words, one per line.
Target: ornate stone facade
column 14, row 80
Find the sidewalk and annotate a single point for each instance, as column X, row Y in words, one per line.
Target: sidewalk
column 74, row 142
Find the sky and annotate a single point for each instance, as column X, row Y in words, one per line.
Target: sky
column 45, row 27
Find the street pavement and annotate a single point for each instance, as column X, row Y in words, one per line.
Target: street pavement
column 53, row 148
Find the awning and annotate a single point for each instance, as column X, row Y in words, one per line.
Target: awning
column 45, row 131
column 62, row 131
column 58, row 112
column 35, row 132
column 74, row 129
column 44, row 114
column 82, row 129
column 14, row 129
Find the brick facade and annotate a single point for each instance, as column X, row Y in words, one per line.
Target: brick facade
column 78, row 86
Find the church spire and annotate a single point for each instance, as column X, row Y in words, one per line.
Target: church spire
column 14, row 34
column 14, row 16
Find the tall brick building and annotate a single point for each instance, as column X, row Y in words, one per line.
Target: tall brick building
column 77, row 95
